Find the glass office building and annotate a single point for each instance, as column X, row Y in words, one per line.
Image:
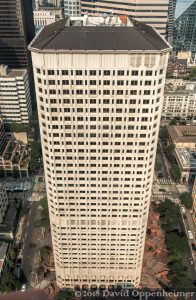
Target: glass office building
column 185, row 26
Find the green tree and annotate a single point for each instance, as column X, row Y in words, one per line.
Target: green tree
column 44, row 221
column 157, row 166
column 169, row 151
column 176, row 172
column 16, row 127
column 192, row 74
column 13, row 254
column 64, row 295
column 186, row 199
column 173, row 122
column 169, row 213
column 9, row 282
column 163, row 134
column 35, row 155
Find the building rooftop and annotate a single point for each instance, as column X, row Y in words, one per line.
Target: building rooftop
column 99, row 33
column 11, row 73
column 185, row 88
column 187, row 158
column 182, row 134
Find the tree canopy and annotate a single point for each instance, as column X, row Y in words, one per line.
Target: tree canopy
column 186, row 199
column 176, row 172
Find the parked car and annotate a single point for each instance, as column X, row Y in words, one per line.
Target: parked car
column 193, row 246
column 190, row 235
column 191, row 261
column 161, row 190
column 182, row 208
column 23, row 288
column 18, row 263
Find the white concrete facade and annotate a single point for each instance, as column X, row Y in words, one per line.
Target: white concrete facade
column 3, row 201
column 15, row 99
column 99, row 113
column 99, row 145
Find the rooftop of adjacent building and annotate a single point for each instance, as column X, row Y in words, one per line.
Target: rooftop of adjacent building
column 107, row 32
column 11, row 73
column 187, row 158
column 182, row 134
column 180, row 87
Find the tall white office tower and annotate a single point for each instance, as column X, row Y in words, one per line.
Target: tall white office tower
column 99, row 89
column 72, row 8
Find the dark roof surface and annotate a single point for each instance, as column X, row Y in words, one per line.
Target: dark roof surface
column 58, row 36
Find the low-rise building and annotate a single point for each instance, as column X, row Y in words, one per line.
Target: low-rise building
column 194, row 202
column 3, row 201
column 183, row 136
column 179, row 99
column 15, row 99
column 43, row 18
column 186, row 160
column 177, row 67
column 14, row 157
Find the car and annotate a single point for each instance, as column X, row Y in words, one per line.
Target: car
column 161, row 190
column 182, row 208
column 23, row 288
column 193, row 246
column 191, row 261
column 18, row 263
column 190, row 235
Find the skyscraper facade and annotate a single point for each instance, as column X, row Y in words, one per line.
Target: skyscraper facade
column 16, row 32
column 99, row 86
column 154, row 13
column 72, row 8
column 185, row 26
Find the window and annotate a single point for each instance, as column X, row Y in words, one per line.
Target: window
column 146, row 101
column 134, row 73
column 93, row 72
column 106, row 73
column 121, row 73
column 50, row 72
column 148, row 82
column 65, row 72
column 78, row 72
column 148, row 73
column 146, row 92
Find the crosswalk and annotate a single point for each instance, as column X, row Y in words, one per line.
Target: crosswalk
column 165, row 181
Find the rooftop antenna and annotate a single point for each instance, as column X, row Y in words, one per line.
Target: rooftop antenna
column 104, row 16
column 110, row 17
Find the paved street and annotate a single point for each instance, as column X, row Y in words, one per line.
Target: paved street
column 28, row 236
